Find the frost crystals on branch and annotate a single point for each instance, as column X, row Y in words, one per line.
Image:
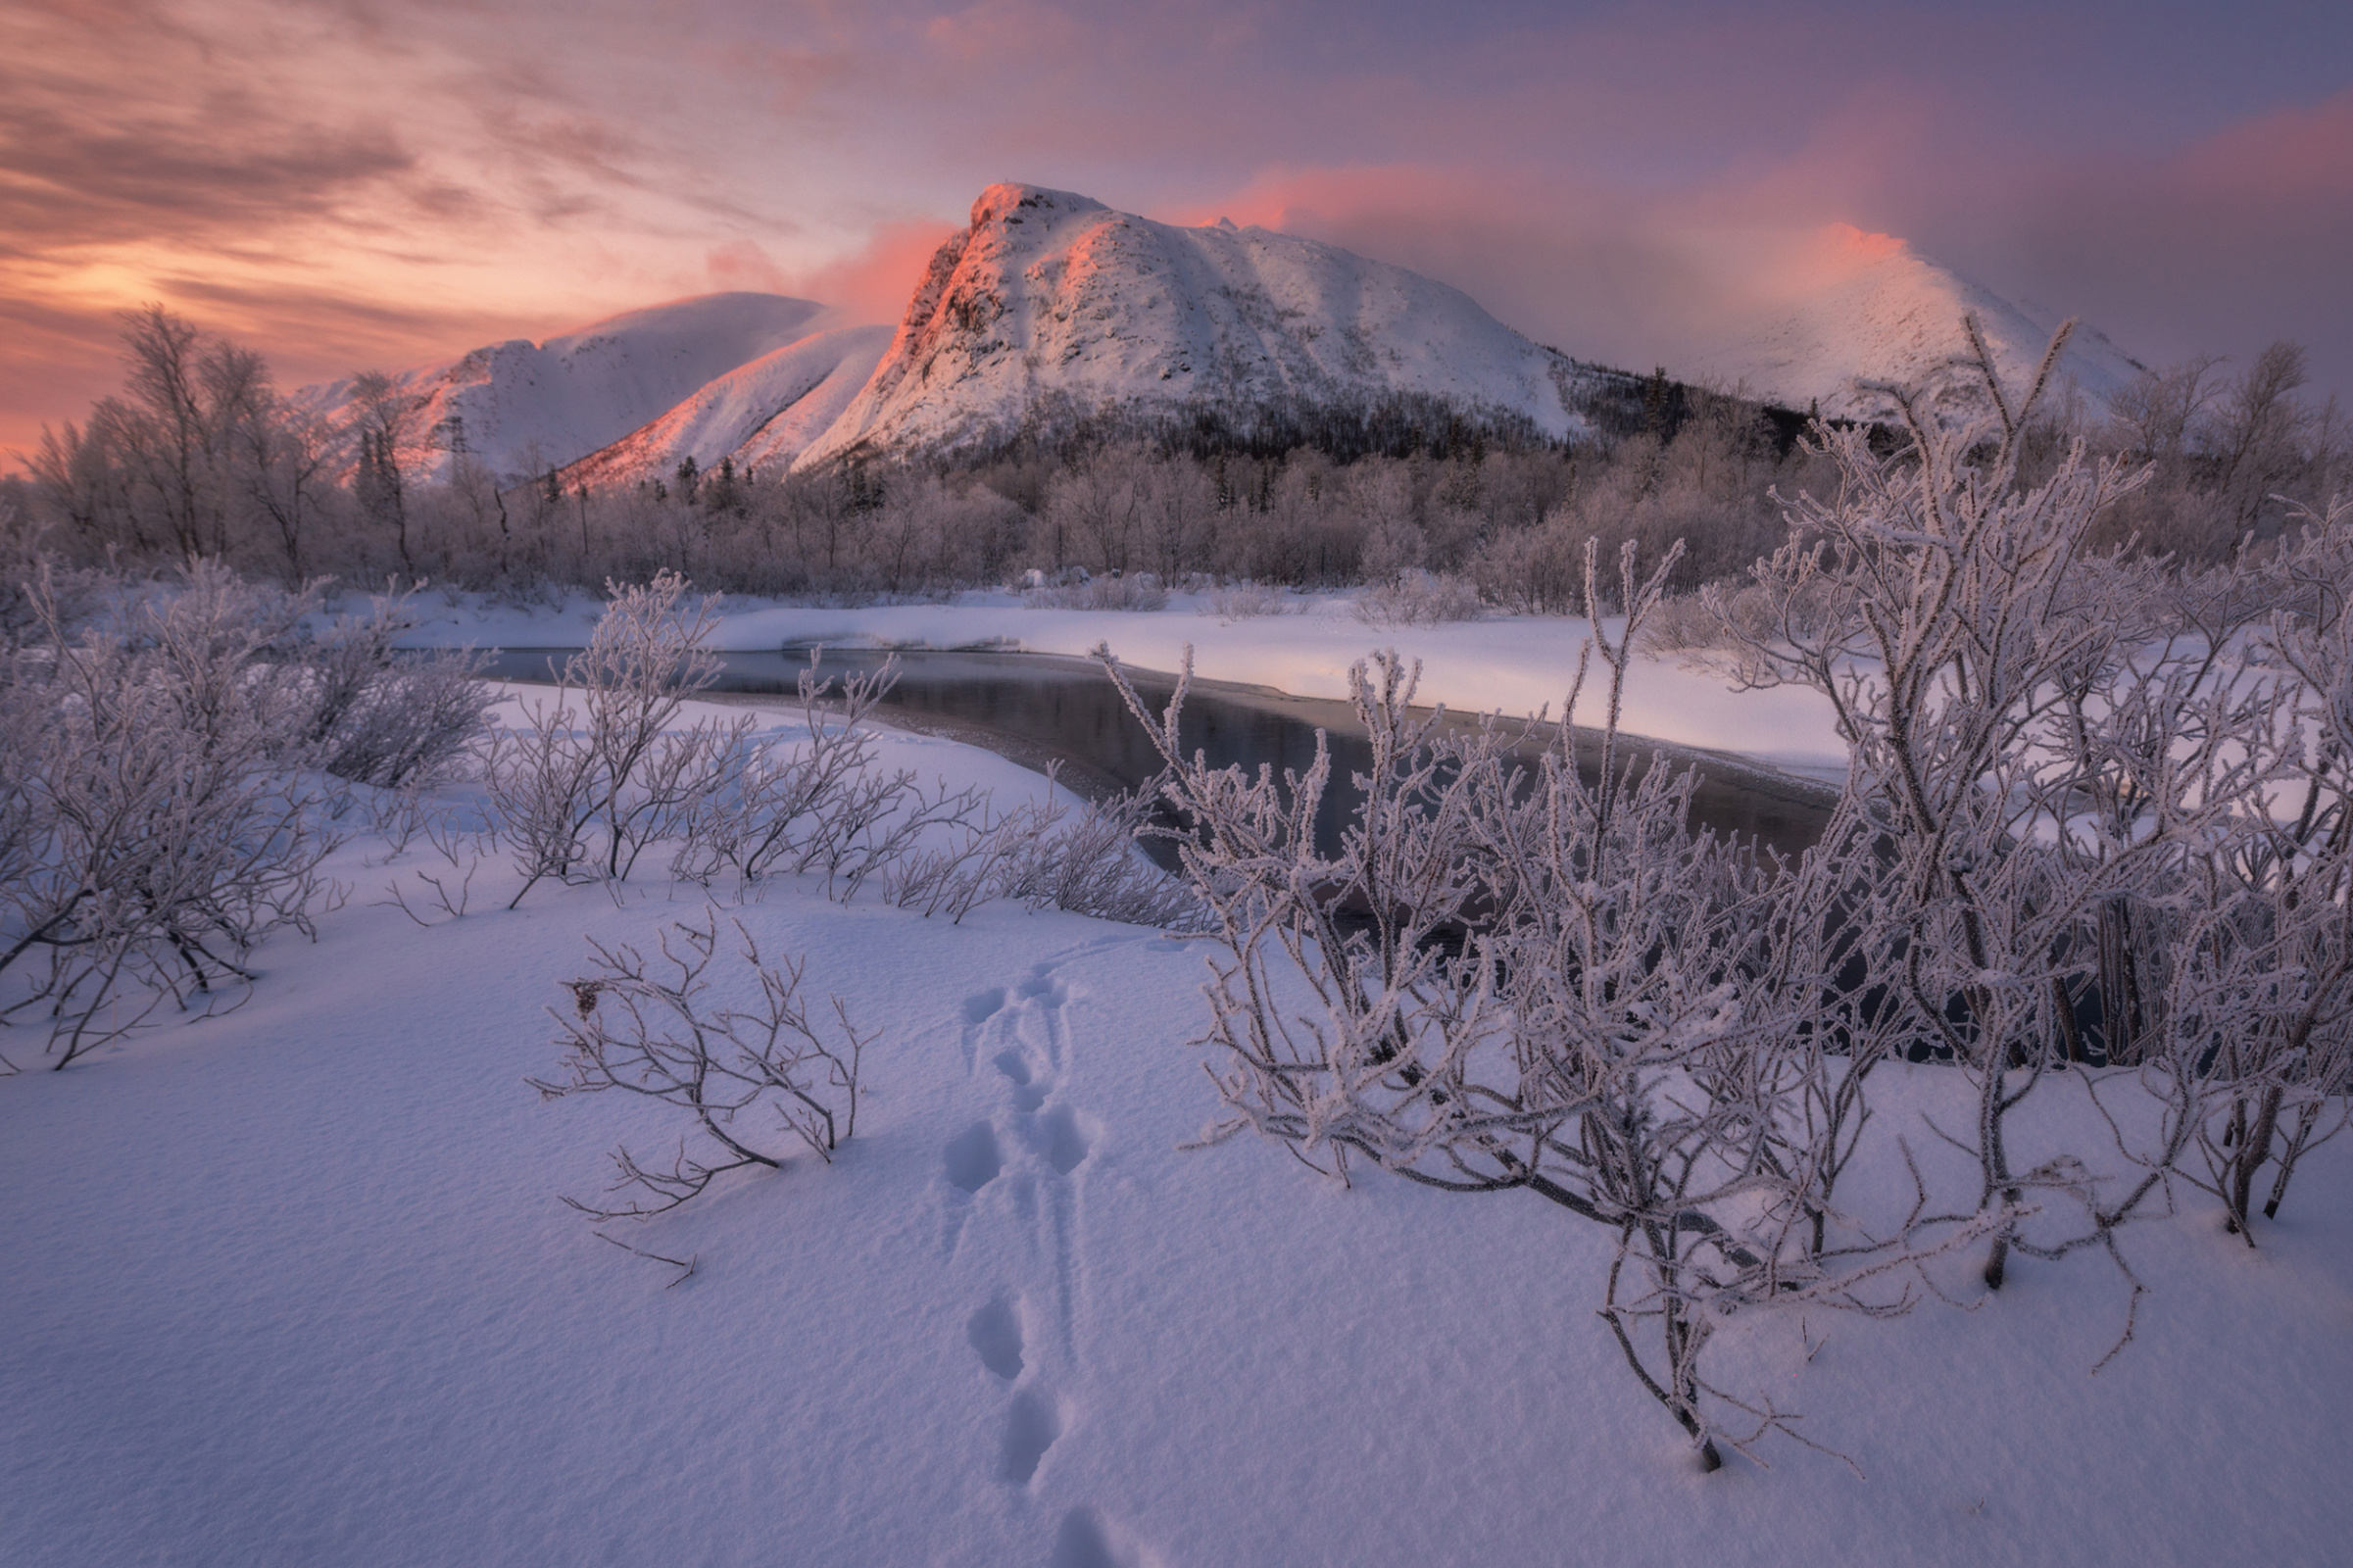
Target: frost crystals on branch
column 600, row 752
column 746, row 1077
column 1547, row 980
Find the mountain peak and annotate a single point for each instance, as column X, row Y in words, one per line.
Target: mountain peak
column 1052, row 300
column 1013, row 202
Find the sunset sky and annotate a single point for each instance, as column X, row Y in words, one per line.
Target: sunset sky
column 358, row 184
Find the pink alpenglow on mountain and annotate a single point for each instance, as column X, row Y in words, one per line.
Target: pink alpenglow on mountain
column 760, row 414
column 1821, row 318
column 520, row 408
column 1050, row 295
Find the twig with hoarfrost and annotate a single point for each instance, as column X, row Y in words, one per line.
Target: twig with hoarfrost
column 743, row 1076
column 601, row 751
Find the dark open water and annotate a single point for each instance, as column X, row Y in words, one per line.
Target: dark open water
column 1037, row 707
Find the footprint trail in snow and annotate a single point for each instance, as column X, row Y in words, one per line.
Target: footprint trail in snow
column 1013, row 1182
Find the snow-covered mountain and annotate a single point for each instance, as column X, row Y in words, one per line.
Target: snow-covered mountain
column 1050, row 305
column 761, row 414
column 1867, row 307
column 1053, row 296
column 521, row 407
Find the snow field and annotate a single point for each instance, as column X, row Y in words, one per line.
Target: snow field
column 293, row 1284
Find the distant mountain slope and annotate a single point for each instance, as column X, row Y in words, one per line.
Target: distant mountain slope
column 761, row 414
column 1052, row 298
column 1883, row 313
column 521, row 407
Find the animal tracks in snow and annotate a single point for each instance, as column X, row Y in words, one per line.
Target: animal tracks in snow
column 1027, row 1095
column 1064, row 1139
column 1088, row 1540
column 973, row 1158
column 1014, row 1182
column 995, row 1333
column 1031, row 1427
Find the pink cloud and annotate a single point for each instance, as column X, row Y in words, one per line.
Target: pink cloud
column 874, row 283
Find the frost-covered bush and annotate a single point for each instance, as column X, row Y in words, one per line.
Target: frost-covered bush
column 1419, row 599
column 1550, row 982
column 2097, row 830
column 155, row 821
column 1240, row 601
column 1083, row 860
column 600, row 758
column 750, row 1079
column 386, row 719
column 2070, row 762
column 1137, row 590
column 819, row 805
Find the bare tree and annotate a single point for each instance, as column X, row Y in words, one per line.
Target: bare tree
column 2259, row 427
column 387, row 428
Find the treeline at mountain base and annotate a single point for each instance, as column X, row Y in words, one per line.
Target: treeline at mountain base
column 200, row 455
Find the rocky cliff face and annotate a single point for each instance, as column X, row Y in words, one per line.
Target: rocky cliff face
column 1050, row 297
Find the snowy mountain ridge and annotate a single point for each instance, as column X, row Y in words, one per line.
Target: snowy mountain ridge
column 1050, row 305
column 1870, row 310
column 1049, row 294
column 520, row 408
column 759, row 416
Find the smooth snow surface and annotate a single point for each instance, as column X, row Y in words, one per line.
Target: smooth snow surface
column 1051, row 298
column 293, row 1285
column 760, row 414
column 1877, row 311
column 522, row 407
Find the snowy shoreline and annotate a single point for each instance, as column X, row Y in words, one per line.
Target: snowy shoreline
column 1515, row 664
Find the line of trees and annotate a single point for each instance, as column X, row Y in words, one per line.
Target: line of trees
column 200, row 455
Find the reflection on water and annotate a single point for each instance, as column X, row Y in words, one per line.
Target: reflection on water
column 1040, row 708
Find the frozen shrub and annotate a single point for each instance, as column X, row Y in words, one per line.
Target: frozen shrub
column 2062, row 856
column 382, row 718
column 820, row 806
column 600, row 754
column 1138, row 590
column 1513, row 981
column 750, row 1080
column 2068, row 785
column 1081, row 859
column 1419, row 599
column 1242, row 600
column 153, row 826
